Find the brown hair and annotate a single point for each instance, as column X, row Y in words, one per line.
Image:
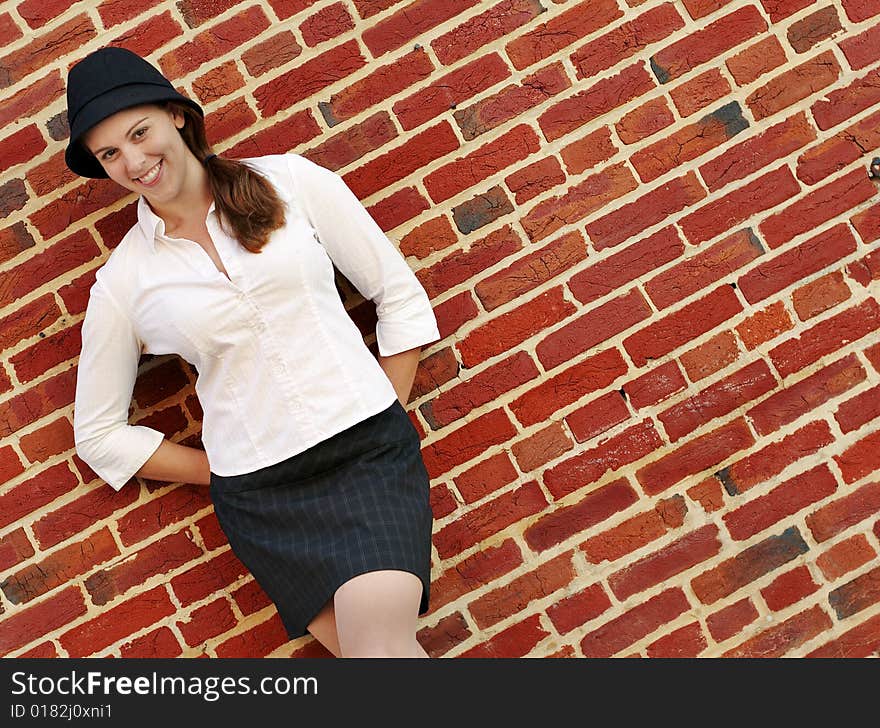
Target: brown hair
column 242, row 198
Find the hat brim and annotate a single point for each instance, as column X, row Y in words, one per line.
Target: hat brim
column 82, row 162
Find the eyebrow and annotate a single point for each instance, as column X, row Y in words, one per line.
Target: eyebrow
column 98, row 151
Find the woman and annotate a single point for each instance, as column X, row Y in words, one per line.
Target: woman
column 314, row 466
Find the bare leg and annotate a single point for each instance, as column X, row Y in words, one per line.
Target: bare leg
column 376, row 615
column 323, row 628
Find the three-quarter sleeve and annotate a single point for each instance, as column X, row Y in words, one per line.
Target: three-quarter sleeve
column 366, row 256
column 105, row 380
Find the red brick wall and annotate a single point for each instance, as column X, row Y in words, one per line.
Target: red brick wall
column 650, row 238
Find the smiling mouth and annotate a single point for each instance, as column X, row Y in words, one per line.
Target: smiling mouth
column 151, row 175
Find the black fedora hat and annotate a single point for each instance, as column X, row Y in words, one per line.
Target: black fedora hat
column 106, row 81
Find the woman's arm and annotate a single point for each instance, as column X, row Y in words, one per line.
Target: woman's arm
column 401, row 370
column 178, row 464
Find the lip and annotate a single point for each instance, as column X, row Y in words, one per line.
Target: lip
column 158, row 178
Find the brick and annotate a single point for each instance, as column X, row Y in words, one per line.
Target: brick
column 862, row 49
column 825, row 337
column 860, row 458
column 480, row 30
column 711, row 356
column 532, row 180
column 793, row 265
column 784, row 500
column 756, row 60
column 867, row 224
column 687, row 641
column 515, row 641
column 206, row 622
column 597, row 416
column 558, row 525
column 794, row 85
column 204, row 579
column 673, row 558
column 479, row 568
column 779, row 9
column 485, row 477
column 863, row 640
column 723, row 397
column 655, row 386
column 681, row 326
column 31, row 495
column 859, row 10
column 655, row 206
column 748, row 566
column 774, row 457
column 308, row 78
column 740, row 204
column 699, row 92
column 592, row 328
column 158, row 644
column 530, row 271
column 463, row 444
column 813, row 391
column 160, row 557
column 65, row 38
column 689, row 142
column 613, row 272
column 14, row 548
column 704, row 45
column 456, row 87
column 816, row 27
column 858, row 410
column 708, row 494
column 516, row 595
column 820, row 295
column 856, row 595
column 484, row 387
column 626, row 40
column 695, row 456
column 602, row 97
column 259, row 641
column 27, row 625
column 817, row 207
column 840, row 104
column 643, row 121
column 784, row 637
column 540, row 448
column 612, row 453
column 706, row 267
column 634, row 624
column 636, row 532
column 729, row 621
column 587, row 152
column 439, row 639
column 579, row 608
column 512, row 101
column 460, row 266
column 120, row 621
column 757, row 152
column 845, row 511
column 60, row 567
column 765, row 325
column 846, row 556
column 488, row 519
column 565, row 28
column 700, row 8
column 326, row 23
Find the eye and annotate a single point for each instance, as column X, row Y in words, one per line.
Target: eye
column 142, row 129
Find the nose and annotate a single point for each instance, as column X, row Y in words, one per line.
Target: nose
column 135, row 162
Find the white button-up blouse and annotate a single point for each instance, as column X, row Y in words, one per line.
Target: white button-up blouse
column 281, row 366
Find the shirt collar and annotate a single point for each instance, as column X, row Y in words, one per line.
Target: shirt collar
column 153, row 226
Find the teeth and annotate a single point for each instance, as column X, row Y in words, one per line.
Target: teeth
column 151, row 175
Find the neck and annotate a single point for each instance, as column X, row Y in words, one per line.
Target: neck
column 190, row 206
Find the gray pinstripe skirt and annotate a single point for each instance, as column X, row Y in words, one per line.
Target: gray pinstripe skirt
column 355, row 502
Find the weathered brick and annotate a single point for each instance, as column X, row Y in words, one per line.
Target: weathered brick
column 729, row 621
column 857, row 594
column 655, row 386
column 846, row 556
column 790, row 403
column 793, row 85
column 820, row 295
column 860, row 458
column 748, row 565
column 784, row 637
column 756, row 60
column 647, row 119
column 816, row 27
column 840, row 104
column 699, row 92
column 862, row 408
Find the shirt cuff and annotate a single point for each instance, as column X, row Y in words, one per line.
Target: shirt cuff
column 122, row 453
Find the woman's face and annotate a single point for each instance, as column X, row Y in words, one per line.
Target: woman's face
column 141, row 149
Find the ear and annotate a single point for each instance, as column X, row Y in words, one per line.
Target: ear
column 178, row 118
